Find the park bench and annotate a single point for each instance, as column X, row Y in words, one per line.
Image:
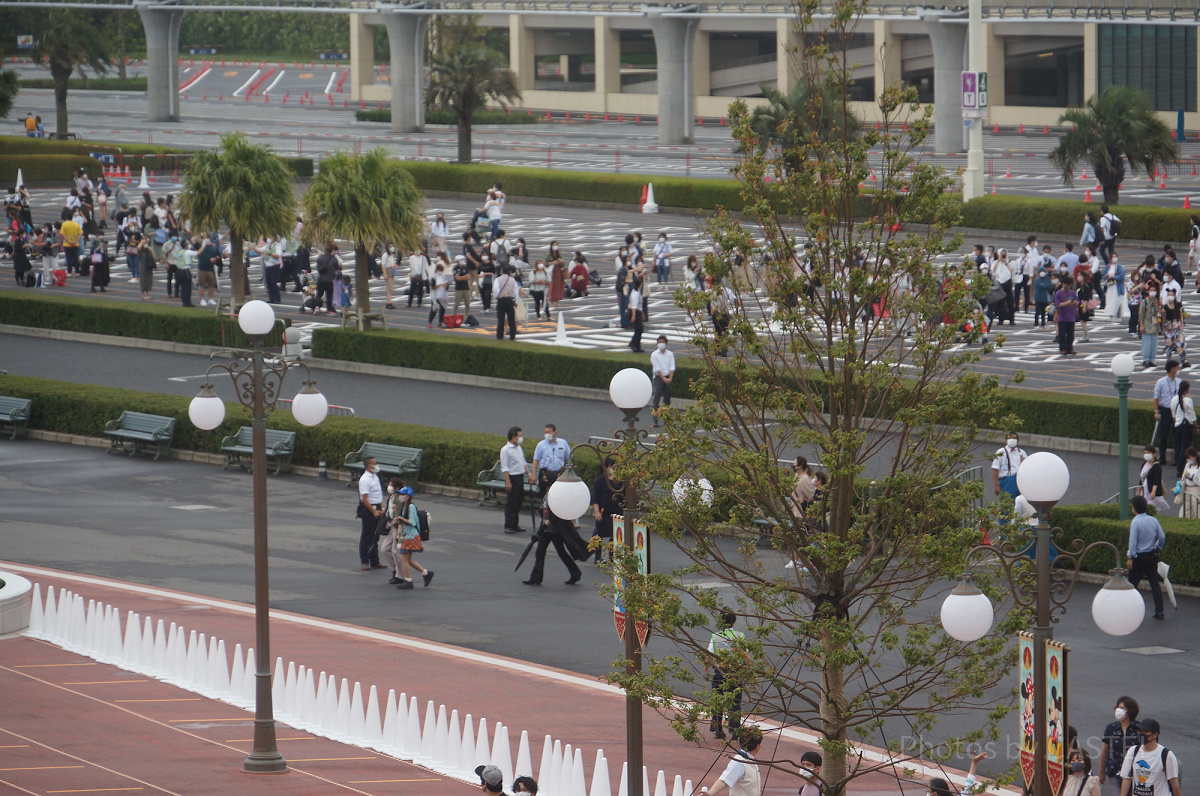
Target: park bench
column 15, row 412
column 140, row 430
column 239, row 449
column 492, row 483
column 393, row 460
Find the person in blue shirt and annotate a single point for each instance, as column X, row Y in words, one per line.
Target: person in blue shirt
column 549, row 458
column 1146, row 539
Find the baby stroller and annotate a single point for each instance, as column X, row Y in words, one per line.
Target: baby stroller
column 309, row 300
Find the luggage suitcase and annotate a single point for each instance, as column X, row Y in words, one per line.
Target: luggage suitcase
column 453, row 321
column 60, row 277
column 30, row 279
column 85, row 267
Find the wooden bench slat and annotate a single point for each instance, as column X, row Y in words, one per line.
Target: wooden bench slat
column 280, row 446
column 395, row 460
column 138, row 428
column 15, row 412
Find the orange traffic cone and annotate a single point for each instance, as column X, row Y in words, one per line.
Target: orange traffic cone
column 548, row 117
column 1187, row 203
column 1162, row 185
column 1193, row 171
column 1087, row 197
column 568, row 116
column 644, row 189
column 996, row 128
column 1008, row 172
column 638, row 120
column 1045, row 129
column 1021, row 129
column 993, row 189
column 723, row 124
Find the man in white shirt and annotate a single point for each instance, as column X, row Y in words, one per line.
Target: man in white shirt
column 1069, row 259
column 662, row 259
column 1150, row 769
column 662, row 363
column 741, row 775
column 550, row 456
column 1108, row 236
column 493, row 209
column 637, row 315
column 370, row 505
column 1005, row 464
column 514, row 468
column 508, row 290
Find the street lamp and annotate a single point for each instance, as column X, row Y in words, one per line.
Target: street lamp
column 1122, row 368
column 630, row 390
column 257, row 379
column 1118, row 609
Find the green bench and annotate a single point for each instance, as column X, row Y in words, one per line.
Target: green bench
column 239, row 449
column 140, row 430
column 15, row 412
column 492, row 483
column 393, row 460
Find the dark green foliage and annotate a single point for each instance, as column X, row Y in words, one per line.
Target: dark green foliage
column 1093, row 523
column 447, row 117
column 1065, row 217
column 1077, row 416
column 279, row 35
column 93, row 84
column 127, row 319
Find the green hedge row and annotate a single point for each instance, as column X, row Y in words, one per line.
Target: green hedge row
column 126, row 319
column 58, row 168
column 94, row 83
column 448, row 117
column 453, row 458
column 1065, row 217
column 1095, row 523
column 1057, row 414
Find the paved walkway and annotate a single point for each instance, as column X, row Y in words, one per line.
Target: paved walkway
column 129, row 733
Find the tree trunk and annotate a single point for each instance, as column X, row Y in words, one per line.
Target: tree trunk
column 362, row 283
column 60, row 101
column 464, row 138
column 121, row 53
column 237, row 271
column 833, row 706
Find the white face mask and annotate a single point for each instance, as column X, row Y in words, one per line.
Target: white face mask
column 549, row 437
column 391, row 489
column 662, row 346
column 1012, row 442
column 1119, row 713
column 1153, row 294
column 1148, row 457
column 520, row 440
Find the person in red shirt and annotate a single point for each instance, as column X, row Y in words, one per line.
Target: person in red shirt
column 579, row 276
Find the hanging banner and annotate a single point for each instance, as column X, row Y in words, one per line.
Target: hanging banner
column 618, row 525
column 1056, row 714
column 641, row 537
column 1025, row 688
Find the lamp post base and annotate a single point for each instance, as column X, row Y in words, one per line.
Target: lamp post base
column 265, row 763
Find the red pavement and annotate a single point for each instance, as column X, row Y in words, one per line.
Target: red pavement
column 68, row 725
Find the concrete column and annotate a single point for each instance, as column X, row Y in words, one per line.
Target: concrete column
column 993, row 45
column 406, row 42
column 362, row 56
column 701, row 69
column 162, row 61
column 789, row 53
column 522, row 58
column 886, row 46
column 608, row 58
column 949, row 50
column 674, row 39
column 1091, row 60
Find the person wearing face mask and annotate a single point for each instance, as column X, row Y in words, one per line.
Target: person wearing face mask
column 1146, row 540
column 1043, row 293
column 662, row 259
column 1150, row 769
column 1174, row 342
column 1087, row 303
column 514, row 468
column 1005, row 464
column 557, row 268
column 407, row 534
column 538, row 280
column 1189, row 500
column 1080, row 781
column 1183, row 410
column 810, row 764
column 605, row 503
column 1151, row 480
column 1149, row 323
column 1120, row 736
column 662, row 364
column 551, row 455
column 1066, row 305
column 439, row 232
column 370, row 506
column 1165, row 390
column 487, row 275
column 637, row 317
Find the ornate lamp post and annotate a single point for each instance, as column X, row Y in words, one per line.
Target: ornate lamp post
column 630, row 390
column 967, row 613
column 1122, row 368
column 257, row 379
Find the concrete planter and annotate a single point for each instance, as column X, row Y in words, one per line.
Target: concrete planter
column 15, row 602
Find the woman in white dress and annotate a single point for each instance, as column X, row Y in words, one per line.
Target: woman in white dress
column 1114, row 292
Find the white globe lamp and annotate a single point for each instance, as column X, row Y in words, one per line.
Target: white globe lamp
column 206, row 411
column 309, row 407
column 967, row 612
column 630, row 389
column 1043, row 478
column 256, row 318
column 686, row 486
column 569, row 497
column 1122, row 366
column 1118, row 609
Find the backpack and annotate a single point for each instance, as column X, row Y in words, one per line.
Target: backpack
column 160, row 235
column 423, row 525
column 1114, row 225
column 503, row 257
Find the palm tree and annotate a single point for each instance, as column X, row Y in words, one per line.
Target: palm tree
column 242, row 186
column 1109, row 131
column 808, row 109
column 367, row 199
column 8, row 91
column 465, row 76
column 68, row 42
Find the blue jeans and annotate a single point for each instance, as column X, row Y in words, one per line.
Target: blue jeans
column 662, row 267
column 1149, row 347
column 1105, row 249
column 131, row 259
column 495, row 227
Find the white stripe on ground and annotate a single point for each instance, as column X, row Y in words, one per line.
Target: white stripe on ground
column 282, row 72
column 246, row 85
column 332, row 79
column 189, row 83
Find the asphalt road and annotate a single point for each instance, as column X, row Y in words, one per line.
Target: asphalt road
column 187, row 526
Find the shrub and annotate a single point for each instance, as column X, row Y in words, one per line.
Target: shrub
column 448, row 117
column 1065, row 217
column 125, row 319
column 1094, row 523
column 453, row 458
column 93, row 83
column 48, row 160
column 14, row 145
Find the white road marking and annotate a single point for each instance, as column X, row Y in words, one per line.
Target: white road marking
column 282, row 72
column 187, row 378
column 246, row 85
column 332, row 80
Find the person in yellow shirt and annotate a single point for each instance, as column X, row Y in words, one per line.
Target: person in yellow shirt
column 70, row 233
column 30, row 126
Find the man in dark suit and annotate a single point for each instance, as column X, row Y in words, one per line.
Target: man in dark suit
column 553, row 531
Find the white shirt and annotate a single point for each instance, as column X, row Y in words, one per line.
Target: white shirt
column 368, row 485
column 1184, row 411
column 492, row 208
column 1008, row 460
column 1002, row 272
column 439, row 286
column 741, row 775
column 635, row 300
column 1146, row 771
column 662, row 362
column 512, row 459
column 439, row 229
column 662, row 249
column 506, row 287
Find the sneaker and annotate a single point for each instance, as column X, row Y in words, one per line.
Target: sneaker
column 427, row 577
column 394, row 580
column 134, row 281
column 404, row 584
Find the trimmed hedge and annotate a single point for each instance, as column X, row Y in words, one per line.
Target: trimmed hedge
column 453, row 458
column 92, row 84
column 126, row 319
column 48, row 160
column 449, row 353
column 1065, row 217
column 1078, row 416
column 20, row 145
column 448, row 117
column 1094, row 523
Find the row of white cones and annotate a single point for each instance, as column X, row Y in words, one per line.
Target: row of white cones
column 318, row 703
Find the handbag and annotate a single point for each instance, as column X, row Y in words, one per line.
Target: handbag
column 1093, row 303
column 412, row 545
column 521, row 312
